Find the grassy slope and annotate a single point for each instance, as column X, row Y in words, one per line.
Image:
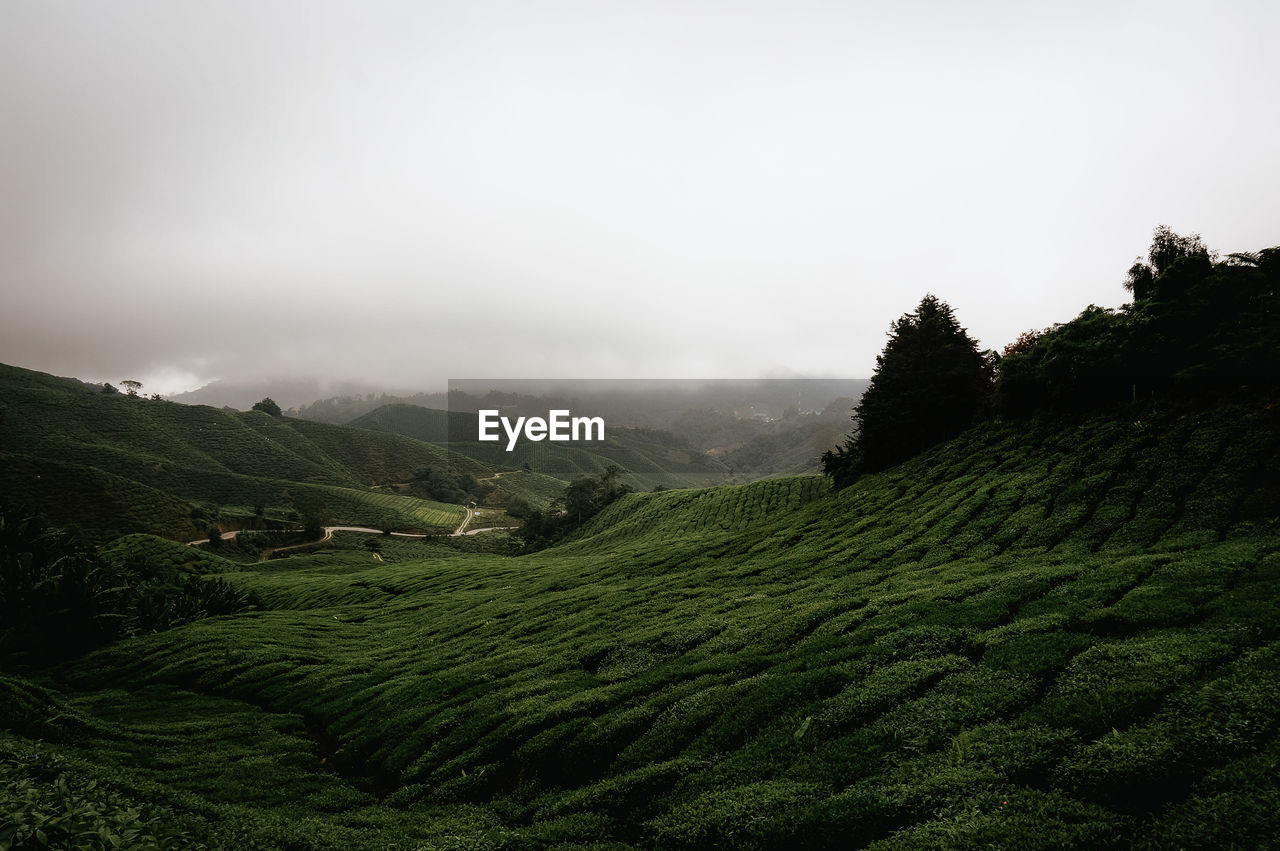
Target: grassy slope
column 113, row 463
column 1030, row 637
column 537, row 489
column 426, row 424
column 649, row 458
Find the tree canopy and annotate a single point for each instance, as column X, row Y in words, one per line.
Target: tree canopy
column 1196, row 326
column 583, row 499
column 929, row 384
column 268, row 406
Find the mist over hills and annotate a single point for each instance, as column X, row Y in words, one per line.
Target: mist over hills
column 641, row 403
column 241, row 394
column 1027, row 599
column 112, row 463
column 1043, row 633
column 749, row 428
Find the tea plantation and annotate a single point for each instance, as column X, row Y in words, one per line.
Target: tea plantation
column 110, row 464
column 1041, row 634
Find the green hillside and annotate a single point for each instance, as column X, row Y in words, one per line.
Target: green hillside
column 426, row 424
column 1041, row 634
column 649, row 457
column 537, row 489
column 109, row 464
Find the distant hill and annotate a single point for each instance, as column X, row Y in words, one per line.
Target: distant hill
column 743, row 408
column 649, row 457
column 670, row 433
column 112, row 464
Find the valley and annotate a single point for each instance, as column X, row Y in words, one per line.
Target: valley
column 1040, row 634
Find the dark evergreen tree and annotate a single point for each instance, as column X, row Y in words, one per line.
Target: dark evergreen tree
column 929, row 384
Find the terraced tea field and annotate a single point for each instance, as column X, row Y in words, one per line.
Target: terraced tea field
column 537, row 489
column 1031, row 637
column 393, row 511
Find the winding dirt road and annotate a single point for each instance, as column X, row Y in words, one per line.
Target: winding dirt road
column 462, row 529
column 329, row 530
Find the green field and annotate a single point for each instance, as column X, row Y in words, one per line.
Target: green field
column 1043, row 634
column 393, row 511
column 537, row 489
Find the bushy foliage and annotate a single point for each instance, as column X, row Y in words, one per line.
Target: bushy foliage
column 584, row 498
column 59, row 598
column 313, row 512
column 1167, row 249
column 268, row 406
column 42, row 808
column 1034, row 635
column 1075, row 365
column 1023, row 344
column 446, row 484
column 1196, row 327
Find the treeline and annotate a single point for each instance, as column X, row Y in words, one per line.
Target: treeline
column 1198, row 326
column 583, row 499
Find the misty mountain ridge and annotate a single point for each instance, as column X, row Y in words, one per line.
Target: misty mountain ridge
column 288, row 393
column 630, row 402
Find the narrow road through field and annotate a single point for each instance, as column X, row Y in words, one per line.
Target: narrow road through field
column 462, row 529
column 329, row 530
column 463, row 525
column 226, row 536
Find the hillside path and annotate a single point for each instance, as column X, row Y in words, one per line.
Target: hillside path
column 329, row 530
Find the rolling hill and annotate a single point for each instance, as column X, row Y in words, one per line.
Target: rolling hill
column 111, row 464
column 650, row 457
column 1041, row 634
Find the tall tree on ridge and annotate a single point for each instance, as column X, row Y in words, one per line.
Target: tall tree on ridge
column 929, row 384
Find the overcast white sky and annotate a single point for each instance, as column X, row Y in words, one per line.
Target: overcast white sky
column 412, row 191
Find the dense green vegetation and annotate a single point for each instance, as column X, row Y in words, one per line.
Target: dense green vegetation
column 584, row 498
column 448, row 485
column 59, row 598
column 1036, row 635
column 1058, row 628
column 1198, row 327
